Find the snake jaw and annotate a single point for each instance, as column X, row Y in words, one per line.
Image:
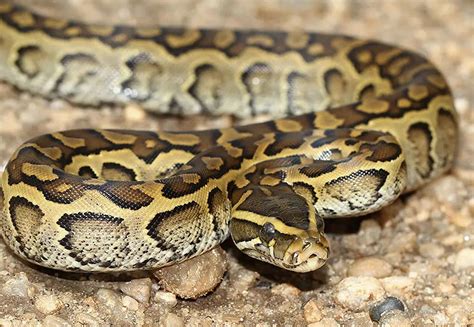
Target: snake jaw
column 307, row 254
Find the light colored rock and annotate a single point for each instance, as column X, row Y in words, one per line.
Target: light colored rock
column 130, row 303
column 139, row 289
column 87, row 320
column 166, row 298
column 326, row 322
column 311, row 311
column 431, row 250
column 194, row 277
column 464, row 259
column 172, row 320
column 109, row 298
column 48, row 304
column 54, row 321
column 286, row 290
column 401, row 286
column 395, row 319
column 356, row 293
column 371, row 267
column 19, row 285
column 134, row 112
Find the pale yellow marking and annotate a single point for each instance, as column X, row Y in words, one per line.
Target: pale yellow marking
column 42, row 172
column 120, row 38
column 94, row 181
column 403, row 103
column 258, row 219
column 364, row 57
column 297, row 40
column 148, row 32
column 230, row 134
column 260, row 39
column 437, row 80
column 417, row 92
column 63, row 187
column 72, row 31
column 23, row 18
column 233, row 152
column 119, row 138
column 152, row 189
column 54, row 23
column 269, row 181
column 51, row 152
column 241, row 181
column 325, row 119
column 191, row 178
column 396, row 67
column 339, row 43
column 70, row 142
column 188, row 38
column 384, row 57
column 288, row 125
column 213, row 163
column 150, row 144
column 179, row 139
column 373, row 106
column 5, row 7
column 224, row 38
column 103, row 30
column 316, row 49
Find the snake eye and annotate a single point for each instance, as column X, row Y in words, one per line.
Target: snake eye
column 267, row 233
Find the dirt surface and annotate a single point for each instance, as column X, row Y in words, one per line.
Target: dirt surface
column 420, row 250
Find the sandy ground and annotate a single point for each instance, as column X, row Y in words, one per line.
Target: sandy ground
column 419, row 250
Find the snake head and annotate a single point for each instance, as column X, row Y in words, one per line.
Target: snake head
column 289, row 248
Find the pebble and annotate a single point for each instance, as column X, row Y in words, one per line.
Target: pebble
column 194, row 277
column 464, row 259
column 48, row 304
column 286, row 290
column 396, row 319
column 54, row 321
column 139, row 289
column 109, row 298
column 19, row 285
column 431, row 250
column 134, row 112
column 172, row 320
column 399, row 285
column 384, row 307
column 167, row 298
column 130, row 303
column 370, row 267
column 87, row 320
column 311, row 311
column 326, row 322
column 370, row 231
column 356, row 293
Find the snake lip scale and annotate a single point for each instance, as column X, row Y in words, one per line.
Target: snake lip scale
column 356, row 123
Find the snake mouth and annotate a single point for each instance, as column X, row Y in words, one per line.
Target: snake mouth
column 307, row 254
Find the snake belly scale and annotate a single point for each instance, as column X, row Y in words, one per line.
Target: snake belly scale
column 356, row 124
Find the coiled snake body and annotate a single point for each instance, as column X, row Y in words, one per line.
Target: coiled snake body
column 366, row 122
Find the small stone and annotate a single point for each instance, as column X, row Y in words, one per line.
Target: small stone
column 431, row 250
column 54, row 321
column 399, row 285
column 130, row 303
column 286, row 290
column 172, row 320
column 311, row 310
column 194, row 277
column 371, row 267
column 384, row 307
column 48, row 304
column 166, row 298
column 19, row 286
column 139, row 289
column 357, row 293
column 134, row 112
column 109, row 298
column 395, row 319
column 464, row 259
column 370, row 231
column 87, row 320
column 326, row 322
